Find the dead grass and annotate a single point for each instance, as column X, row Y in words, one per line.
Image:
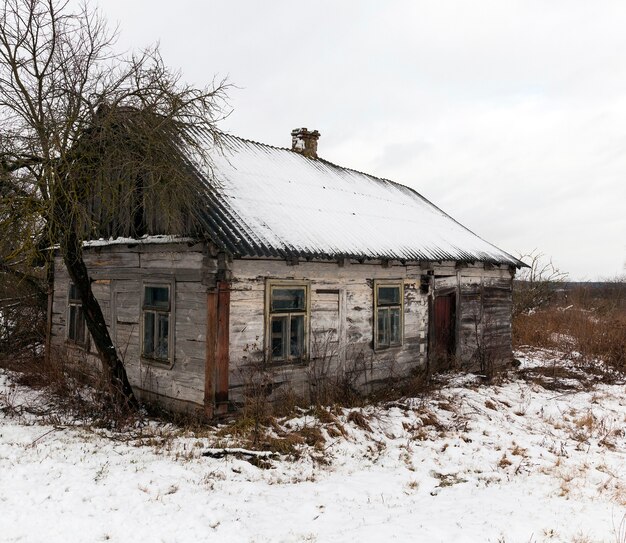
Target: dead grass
column 71, row 392
column 490, row 405
column 287, row 445
column 504, row 462
column 591, row 334
column 448, row 479
column 430, row 419
column 357, row 418
column 619, row 530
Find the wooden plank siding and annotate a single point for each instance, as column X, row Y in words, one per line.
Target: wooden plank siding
column 119, row 272
column 219, row 307
column 485, row 320
column 341, row 322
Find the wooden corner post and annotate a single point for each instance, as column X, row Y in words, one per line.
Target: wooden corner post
column 222, row 349
column 210, row 362
column 217, row 350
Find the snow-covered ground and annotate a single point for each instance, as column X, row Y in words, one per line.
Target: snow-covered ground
column 511, row 462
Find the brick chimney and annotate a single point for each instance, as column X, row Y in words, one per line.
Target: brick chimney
column 304, row 142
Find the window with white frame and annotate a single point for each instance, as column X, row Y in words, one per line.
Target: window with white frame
column 156, row 310
column 75, row 317
column 388, row 314
column 287, row 321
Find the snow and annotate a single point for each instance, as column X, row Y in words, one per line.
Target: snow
column 511, row 462
column 144, row 240
column 280, row 199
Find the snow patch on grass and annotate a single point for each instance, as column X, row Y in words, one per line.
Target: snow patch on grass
column 522, row 460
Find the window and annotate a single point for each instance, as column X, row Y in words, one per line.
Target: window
column 288, row 318
column 388, row 314
column 156, row 322
column 75, row 318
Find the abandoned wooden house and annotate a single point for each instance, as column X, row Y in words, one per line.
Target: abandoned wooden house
column 305, row 269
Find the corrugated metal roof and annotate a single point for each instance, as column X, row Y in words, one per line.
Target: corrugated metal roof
column 267, row 201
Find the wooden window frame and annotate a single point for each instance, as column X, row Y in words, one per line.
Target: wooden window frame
column 76, row 304
column 270, row 286
column 170, row 284
column 388, row 283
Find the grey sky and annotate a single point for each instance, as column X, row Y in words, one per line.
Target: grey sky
column 509, row 115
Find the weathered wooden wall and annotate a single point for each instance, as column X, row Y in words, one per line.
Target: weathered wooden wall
column 341, row 318
column 341, row 322
column 119, row 272
column 484, row 303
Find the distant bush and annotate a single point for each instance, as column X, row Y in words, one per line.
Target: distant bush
column 593, row 332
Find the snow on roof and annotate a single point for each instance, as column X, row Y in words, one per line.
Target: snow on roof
column 144, row 240
column 268, row 201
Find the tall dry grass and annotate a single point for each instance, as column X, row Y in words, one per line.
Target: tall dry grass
column 583, row 323
column 71, row 390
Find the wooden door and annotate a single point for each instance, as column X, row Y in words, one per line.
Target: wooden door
column 444, row 345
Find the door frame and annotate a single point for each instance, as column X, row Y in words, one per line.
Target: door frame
column 453, row 293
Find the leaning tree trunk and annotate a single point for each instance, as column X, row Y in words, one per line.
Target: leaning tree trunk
column 71, row 249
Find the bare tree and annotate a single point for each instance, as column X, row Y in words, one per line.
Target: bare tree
column 535, row 286
column 77, row 119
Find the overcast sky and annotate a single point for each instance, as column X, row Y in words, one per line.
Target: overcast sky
column 509, row 115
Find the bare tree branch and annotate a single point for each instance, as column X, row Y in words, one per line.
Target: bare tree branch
column 534, row 287
column 93, row 143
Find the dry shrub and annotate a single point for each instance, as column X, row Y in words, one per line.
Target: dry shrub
column 604, row 297
column 504, row 462
column 331, row 381
column 191, row 421
column 585, row 421
column 418, row 384
column 490, row 405
column 257, row 410
column 288, row 444
column 413, row 485
column 312, row 436
column 22, row 317
column 359, row 419
column 430, row 419
column 72, row 390
column 592, row 333
column 325, row 415
column 560, row 378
